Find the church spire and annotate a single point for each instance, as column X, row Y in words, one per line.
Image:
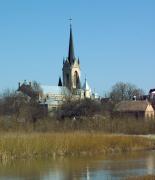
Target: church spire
column 71, row 56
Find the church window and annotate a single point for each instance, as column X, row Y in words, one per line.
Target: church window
column 76, row 80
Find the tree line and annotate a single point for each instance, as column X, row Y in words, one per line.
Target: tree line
column 22, row 107
column 19, row 106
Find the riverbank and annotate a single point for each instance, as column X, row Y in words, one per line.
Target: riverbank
column 18, row 145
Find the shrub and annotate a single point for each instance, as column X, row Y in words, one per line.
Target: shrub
column 78, row 108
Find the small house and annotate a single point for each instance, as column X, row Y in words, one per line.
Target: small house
column 136, row 109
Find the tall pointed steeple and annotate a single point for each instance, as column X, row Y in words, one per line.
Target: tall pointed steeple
column 71, row 67
column 71, row 56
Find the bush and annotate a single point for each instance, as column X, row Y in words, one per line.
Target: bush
column 79, row 108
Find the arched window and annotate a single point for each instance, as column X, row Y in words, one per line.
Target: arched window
column 76, row 80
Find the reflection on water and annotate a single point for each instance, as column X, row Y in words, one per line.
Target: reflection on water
column 85, row 168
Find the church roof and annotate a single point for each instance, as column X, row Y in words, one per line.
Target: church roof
column 58, row 90
column 60, row 82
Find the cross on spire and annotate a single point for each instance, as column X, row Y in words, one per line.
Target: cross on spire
column 70, row 20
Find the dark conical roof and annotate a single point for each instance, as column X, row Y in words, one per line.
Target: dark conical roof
column 71, row 56
column 60, row 82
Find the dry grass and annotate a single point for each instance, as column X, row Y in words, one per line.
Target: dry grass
column 86, row 124
column 17, row 145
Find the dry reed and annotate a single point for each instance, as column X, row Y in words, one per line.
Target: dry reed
column 20, row 145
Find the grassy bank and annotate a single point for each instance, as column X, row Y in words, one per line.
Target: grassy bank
column 86, row 124
column 13, row 145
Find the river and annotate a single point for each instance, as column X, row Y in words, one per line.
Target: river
column 116, row 166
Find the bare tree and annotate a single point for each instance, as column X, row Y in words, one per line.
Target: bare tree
column 79, row 108
column 125, row 91
column 18, row 105
column 36, row 86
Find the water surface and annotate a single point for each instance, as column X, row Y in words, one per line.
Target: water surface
column 116, row 166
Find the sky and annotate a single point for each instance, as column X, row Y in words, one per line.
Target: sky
column 114, row 40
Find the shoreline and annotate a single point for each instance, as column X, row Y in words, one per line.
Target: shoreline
column 145, row 177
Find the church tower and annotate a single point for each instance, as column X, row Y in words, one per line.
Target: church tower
column 71, row 68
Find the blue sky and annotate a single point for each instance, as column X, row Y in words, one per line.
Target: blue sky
column 115, row 41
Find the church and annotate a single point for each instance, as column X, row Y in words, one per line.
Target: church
column 69, row 86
